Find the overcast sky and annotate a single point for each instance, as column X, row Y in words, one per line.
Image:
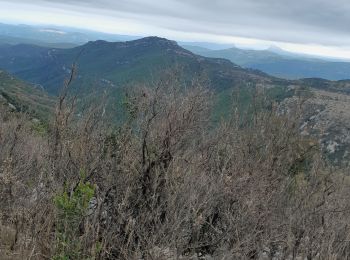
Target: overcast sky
column 310, row 26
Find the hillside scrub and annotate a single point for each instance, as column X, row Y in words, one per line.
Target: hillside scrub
column 168, row 184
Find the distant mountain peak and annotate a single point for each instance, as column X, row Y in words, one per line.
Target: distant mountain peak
column 147, row 41
column 97, row 42
column 154, row 40
column 275, row 49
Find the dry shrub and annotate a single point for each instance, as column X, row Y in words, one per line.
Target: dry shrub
column 170, row 184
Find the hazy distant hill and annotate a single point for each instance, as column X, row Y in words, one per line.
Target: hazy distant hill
column 17, row 40
column 53, row 36
column 279, row 63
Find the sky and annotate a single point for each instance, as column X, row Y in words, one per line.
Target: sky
column 318, row 27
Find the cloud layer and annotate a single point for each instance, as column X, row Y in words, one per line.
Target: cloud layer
column 292, row 23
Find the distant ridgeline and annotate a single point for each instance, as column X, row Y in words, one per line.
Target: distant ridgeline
column 281, row 63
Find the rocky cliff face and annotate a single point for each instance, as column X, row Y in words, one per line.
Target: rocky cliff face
column 326, row 116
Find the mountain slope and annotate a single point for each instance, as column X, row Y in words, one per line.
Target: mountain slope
column 114, row 64
column 20, row 96
column 279, row 64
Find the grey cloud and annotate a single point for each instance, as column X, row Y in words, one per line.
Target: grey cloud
column 299, row 21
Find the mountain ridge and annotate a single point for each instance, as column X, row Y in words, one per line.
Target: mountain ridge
column 118, row 62
column 283, row 65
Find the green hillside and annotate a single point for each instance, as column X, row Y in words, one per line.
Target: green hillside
column 108, row 68
column 20, row 96
column 104, row 64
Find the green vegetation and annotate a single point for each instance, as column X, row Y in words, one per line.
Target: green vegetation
column 71, row 209
column 243, row 97
column 24, row 97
